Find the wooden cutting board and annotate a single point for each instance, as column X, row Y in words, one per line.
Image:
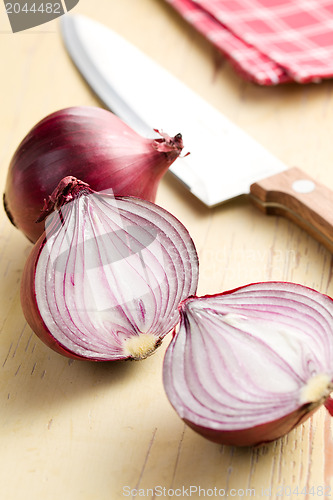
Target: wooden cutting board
column 87, row 431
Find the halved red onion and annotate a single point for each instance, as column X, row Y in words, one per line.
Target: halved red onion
column 248, row 365
column 105, row 280
column 91, row 144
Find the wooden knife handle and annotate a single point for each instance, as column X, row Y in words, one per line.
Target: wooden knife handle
column 295, row 195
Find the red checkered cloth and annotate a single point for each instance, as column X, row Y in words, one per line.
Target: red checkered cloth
column 268, row 41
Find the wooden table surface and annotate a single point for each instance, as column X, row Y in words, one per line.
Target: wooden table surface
column 93, row 431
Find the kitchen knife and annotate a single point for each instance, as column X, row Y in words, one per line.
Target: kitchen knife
column 224, row 161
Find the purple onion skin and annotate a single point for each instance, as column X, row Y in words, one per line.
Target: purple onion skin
column 259, row 435
column 91, row 144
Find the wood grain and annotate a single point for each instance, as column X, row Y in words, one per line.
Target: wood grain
column 310, row 206
column 85, row 431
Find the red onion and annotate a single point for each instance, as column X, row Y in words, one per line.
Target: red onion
column 91, row 144
column 105, row 279
column 248, row 365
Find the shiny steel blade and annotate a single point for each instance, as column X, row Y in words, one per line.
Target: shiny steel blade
column 223, row 162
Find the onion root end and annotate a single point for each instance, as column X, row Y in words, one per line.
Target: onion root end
column 141, row 346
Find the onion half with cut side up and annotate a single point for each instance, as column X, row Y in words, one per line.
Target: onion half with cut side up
column 247, row 366
column 105, row 279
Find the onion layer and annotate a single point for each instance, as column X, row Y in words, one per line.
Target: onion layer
column 105, row 280
column 248, row 365
column 91, row 144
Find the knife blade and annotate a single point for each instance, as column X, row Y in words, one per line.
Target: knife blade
column 224, row 161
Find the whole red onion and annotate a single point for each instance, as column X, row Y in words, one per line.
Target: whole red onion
column 105, row 279
column 91, row 144
column 247, row 366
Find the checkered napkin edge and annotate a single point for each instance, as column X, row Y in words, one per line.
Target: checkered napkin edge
column 268, row 41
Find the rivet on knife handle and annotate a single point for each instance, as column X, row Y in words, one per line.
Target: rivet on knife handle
column 295, row 195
